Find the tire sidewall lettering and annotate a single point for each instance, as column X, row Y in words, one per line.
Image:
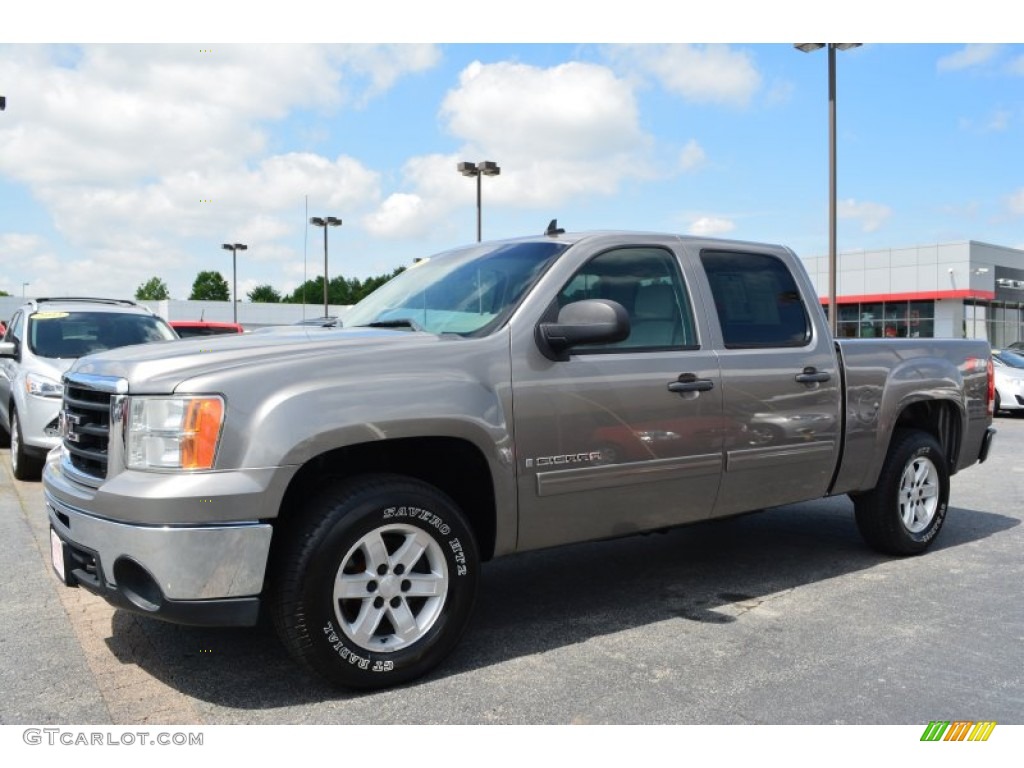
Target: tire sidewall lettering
column 925, row 536
column 332, row 642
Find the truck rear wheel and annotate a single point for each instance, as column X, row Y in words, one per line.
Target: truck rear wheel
column 376, row 585
column 906, row 509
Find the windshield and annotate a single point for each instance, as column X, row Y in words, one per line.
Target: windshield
column 1012, row 359
column 74, row 334
column 468, row 291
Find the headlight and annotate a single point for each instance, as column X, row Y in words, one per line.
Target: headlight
column 173, row 432
column 41, row 386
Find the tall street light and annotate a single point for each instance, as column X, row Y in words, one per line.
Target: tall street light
column 325, row 222
column 832, row 48
column 477, row 170
column 234, row 275
column 23, row 286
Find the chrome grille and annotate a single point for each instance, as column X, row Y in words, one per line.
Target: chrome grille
column 86, row 428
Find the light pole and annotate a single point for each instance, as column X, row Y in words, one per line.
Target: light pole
column 485, row 168
column 832, row 48
column 234, row 275
column 23, row 285
column 325, row 222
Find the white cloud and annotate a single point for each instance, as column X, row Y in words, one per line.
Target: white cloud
column 400, row 215
column 1015, row 202
column 135, row 149
column 386, row 64
column 968, row 57
column 715, row 74
column 574, row 110
column 692, row 156
column 211, row 205
column 573, row 131
column 710, row 226
column 870, row 215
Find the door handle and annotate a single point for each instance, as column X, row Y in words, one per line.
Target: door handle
column 688, row 382
column 812, row 375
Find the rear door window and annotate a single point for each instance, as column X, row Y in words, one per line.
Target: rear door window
column 757, row 300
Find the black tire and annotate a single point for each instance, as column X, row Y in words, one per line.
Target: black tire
column 906, row 509
column 996, row 406
column 344, row 599
column 24, row 465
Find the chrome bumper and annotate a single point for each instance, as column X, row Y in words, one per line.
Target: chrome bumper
column 209, row 575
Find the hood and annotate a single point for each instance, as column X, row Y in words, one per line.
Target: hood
column 159, row 367
column 50, row 367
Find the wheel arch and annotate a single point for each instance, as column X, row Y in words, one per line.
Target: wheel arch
column 453, row 465
column 942, row 418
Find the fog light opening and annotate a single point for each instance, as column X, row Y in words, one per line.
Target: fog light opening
column 138, row 585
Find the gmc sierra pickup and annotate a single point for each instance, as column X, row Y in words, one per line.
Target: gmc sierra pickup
column 493, row 399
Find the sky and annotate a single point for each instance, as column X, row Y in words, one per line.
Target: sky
column 135, row 151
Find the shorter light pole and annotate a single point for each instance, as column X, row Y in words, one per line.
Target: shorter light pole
column 23, row 285
column 471, row 170
column 325, row 222
column 234, row 275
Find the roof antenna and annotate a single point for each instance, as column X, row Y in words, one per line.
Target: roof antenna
column 554, row 229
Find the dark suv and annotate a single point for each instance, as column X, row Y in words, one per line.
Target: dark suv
column 42, row 340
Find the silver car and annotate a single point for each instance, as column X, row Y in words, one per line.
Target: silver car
column 1009, row 369
column 42, row 340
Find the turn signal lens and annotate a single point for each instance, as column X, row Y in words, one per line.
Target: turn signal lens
column 202, row 428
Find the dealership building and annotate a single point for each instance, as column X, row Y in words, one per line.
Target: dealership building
column 964, row 289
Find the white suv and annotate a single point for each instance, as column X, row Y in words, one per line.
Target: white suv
column 42, row 340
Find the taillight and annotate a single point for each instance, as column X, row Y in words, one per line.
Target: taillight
column 991, row 388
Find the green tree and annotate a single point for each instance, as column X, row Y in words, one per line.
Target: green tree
column 340, row 290
column 210, row 286
column 264, row 294
column 4, row 293
column 153, row 289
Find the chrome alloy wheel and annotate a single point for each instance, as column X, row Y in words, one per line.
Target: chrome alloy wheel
column 919, row 494
column 390, row 588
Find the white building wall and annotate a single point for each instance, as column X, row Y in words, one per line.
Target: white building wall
column 949, row 319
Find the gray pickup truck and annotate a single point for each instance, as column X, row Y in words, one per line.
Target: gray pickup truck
column 493, row 399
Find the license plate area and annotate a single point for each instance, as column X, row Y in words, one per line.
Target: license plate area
column 58, row 555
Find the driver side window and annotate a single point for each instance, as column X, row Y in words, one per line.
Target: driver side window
column 647, row 282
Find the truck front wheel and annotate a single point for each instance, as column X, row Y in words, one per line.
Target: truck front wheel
column 376, row 584
column 903, row 514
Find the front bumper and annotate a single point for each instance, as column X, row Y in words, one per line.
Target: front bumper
column 201, row 575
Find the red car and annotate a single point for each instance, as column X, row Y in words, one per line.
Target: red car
column 187, row 328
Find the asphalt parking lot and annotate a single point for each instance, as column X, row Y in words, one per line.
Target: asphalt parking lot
column 779, row 618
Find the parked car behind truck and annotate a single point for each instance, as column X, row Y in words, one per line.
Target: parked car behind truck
column 494, row 399
column 45, row 337
column 1009, row 373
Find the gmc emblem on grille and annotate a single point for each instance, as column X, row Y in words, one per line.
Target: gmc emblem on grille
column 68, row 421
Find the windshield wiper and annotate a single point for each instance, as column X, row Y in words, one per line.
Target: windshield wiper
column 398, row 322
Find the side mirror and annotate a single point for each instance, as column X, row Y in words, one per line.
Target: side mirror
column 8, row 349
column 591, row 321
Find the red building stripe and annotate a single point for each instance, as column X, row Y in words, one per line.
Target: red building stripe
column 871, row 298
